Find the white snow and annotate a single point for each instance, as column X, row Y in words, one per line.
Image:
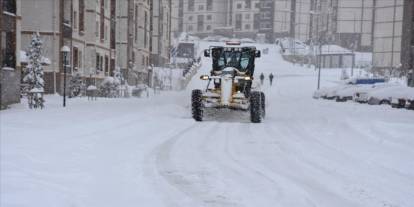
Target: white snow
column 149, row 152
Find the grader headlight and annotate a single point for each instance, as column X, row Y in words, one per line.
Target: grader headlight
column 204, row 77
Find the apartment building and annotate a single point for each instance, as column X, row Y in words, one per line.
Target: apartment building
column 354, row 23
column 393, row 35
column 245, row 17
column 133, row 39
column 203, row 17
column 160, row 32
column 82, row 25
column 10, row 68
column 295, row 18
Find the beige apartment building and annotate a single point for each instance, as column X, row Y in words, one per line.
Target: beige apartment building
column 203, row 17
column 84, row 26
column 393, row 35
column 133, row 39
column 160, row 32
column 10, row 67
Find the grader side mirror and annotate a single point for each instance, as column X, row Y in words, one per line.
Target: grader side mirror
column 207, row 53
column 258, row 54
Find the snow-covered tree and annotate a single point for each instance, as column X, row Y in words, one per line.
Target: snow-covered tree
column 76, row 85
column 34, row 73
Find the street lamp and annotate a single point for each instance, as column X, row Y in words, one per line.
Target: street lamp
column 65, row 51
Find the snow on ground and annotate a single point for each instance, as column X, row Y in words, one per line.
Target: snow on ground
column 149, row 152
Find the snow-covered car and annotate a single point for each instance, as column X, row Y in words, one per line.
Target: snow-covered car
column 384, row 95
column 403, row 98
column 348, row 93
column 331, row 92
column 362, row 95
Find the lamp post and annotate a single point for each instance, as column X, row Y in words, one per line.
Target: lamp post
column 65, row 51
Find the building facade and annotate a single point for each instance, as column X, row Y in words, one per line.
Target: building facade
column 133, row 39
column 84, row 26
column 10, row 68
column 203, row 17
column 160, row 32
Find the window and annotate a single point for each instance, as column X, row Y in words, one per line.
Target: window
column 208, row 27
column 75, row 20
column 209, row 17
column 247, row 27
column 80, row 59
column 75, row 58
column 190, row 5
column 190, row 18
column 145, row 30
column 247, row 16
column 200, row 22
column 209, row 5
column 247, row 4
column 106, row 64
column 7, row 50
column 9, row 6
column 239, row 6
column 97, row 62
column 82, row 15
column 190, row 28
column 201, row 7
column 102, row 19
column 136, row 23
column 257, row 5
column 97, row 29
column 238, row 21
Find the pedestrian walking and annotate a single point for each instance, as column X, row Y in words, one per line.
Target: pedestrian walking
column 271, row 79
column 262, row 78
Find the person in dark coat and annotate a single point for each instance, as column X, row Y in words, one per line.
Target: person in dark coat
column 262, row 78
column 271, row 79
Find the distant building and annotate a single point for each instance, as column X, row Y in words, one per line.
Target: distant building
column 10, row 68
column 354, row 23
column 393, row 36
column 202, row 17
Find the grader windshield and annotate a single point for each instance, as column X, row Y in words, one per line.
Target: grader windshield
column 241, row 58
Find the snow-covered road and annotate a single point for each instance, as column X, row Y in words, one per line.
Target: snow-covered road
column 149, row 152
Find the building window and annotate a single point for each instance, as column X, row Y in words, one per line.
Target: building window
column 201, row 7
column 209, row 5
column 9, row 6
column 97, row 29
column 247, row 27
column 102, row 20
column 190, row 18
column 75, row 20
column 98, row 65
column 8, row 51
column 106, row 64
column 145, row 30
column 190, row 28
column 190, row 5
column 239, row 6
column 257, row 5
column 208, row 27
column 136, row 23
column 200, row 22
column 247, row 16
column 238, row 21
column 247, row 4
column 209, row 17
column 75, row 58
column 82, row 15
